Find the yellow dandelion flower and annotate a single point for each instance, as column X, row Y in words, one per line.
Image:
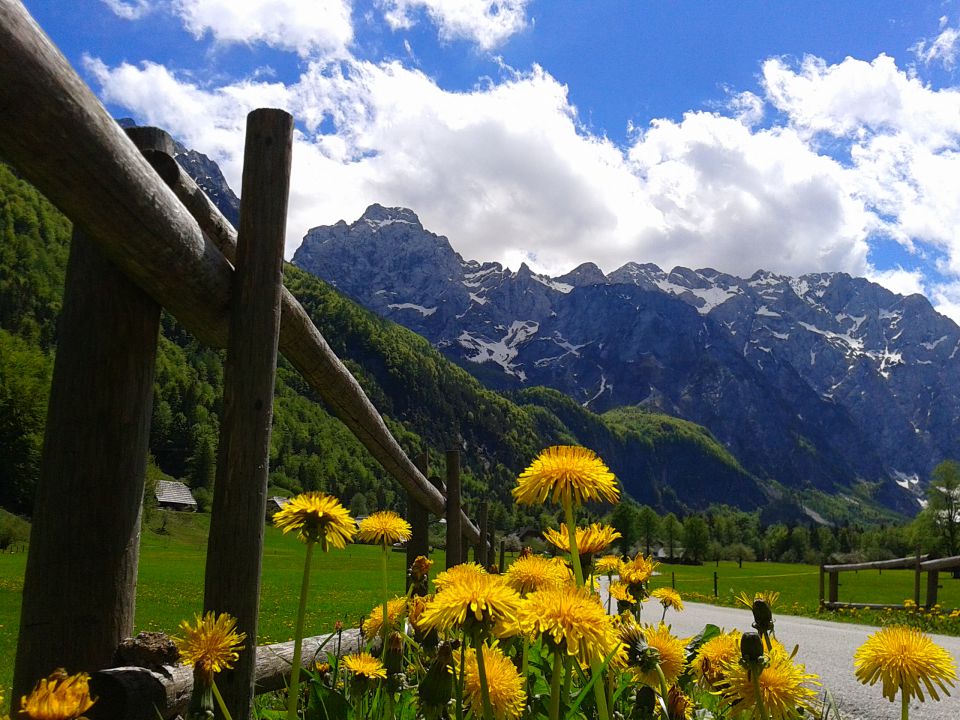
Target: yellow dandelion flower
column 396, row 609
column 638, row 570
column 607, row 565
column 212, row 645
column 715, row 654
column 470, row 599
column 905, row 659
column 58, row 697
column 456, row 573
column 679, row 704
column 785, row 686
column 620, row 592
column 572, row 619
column 770, row 597
column 417, row 605
column 420, row 568
column 504, row 684
column 535, row 572
column 365, row 665
column 568, row 475
column 316, row 516
column 669, row 598
column 672, row 656
column 593, row 539
column 384, row 527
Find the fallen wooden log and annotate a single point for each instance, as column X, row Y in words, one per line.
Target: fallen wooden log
column 137, row 693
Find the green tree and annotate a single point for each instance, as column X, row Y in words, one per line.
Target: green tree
column 671, row 531
column 943, row 505
column 648, row 525
column 624, row 519
column 696, row 537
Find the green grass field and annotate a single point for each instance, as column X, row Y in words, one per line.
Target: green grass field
column 798, row 585
column 345, row 584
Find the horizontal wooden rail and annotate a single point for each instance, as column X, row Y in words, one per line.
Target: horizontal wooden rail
column 947, row 563
column 907, row 563
column 136, row 693
column 861, row 606
column 63, row 141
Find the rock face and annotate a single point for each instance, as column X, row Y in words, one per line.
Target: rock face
column 821, row 380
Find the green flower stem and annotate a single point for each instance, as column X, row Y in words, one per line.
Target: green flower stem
column 572, row 533
column 567, row 677
column 463, row 664
column 384, row 629
column 663, row 682
column 482, row 672
column 525, row 665
column 219, row 697
column 904, row 705
column 755, row 676
column 555, row 684
column 598, row 691
column 294, row 689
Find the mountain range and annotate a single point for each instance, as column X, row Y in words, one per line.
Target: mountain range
column 822, row 381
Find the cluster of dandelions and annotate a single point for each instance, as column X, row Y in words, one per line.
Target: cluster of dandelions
column 534, row 642
column 537, row 641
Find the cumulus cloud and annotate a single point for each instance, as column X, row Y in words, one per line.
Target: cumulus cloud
column 129, row 9
column 942, row 49
column 316, row 26
column 798, row 178
column 487, row 23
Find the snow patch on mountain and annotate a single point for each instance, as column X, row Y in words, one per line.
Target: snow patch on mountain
column 424, row 311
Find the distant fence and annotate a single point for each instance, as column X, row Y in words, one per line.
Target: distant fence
column 830, row 579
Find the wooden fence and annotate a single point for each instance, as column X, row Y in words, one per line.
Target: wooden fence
column 146, row 238
column 830, row 579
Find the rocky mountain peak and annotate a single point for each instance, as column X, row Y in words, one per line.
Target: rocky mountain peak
column 584, row 274
column 377, row 216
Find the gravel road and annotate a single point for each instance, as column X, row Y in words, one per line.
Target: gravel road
column 826, row 648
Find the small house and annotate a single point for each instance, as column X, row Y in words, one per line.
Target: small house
column 173, row 495
column 274, row 505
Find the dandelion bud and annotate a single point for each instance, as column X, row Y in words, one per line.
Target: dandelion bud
column 751, row 648
column 436, row 688
column 762, row 616
column 645, row 704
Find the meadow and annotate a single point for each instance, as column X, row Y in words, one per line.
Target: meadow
column 345, row 584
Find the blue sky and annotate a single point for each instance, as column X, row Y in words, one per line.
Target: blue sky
column 793, row 136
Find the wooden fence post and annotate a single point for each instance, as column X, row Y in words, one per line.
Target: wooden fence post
column 916, row 580
column 79, row 589
column 715, row 593
column 821, row 586
column 235, row 547
column 484, row 531
column 454, row 532
column 502, row 566
column 933, row 585
column 419, row 519
column 834, row 587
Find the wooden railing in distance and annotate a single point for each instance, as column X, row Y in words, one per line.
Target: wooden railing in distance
column 64, row 142
column 830, row 579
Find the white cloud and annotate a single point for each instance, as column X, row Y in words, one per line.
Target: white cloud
column 488, row 23
column 942, row 49
column 129, row 9
column 305, row 26
column 508, row 173
column 898, row 280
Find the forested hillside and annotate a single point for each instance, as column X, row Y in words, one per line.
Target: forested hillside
column 429, row 403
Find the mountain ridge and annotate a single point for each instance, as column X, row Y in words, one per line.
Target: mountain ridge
column 823, row 380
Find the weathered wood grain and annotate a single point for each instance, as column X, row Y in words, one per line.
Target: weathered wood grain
column 81, row 575
column 235, row 544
